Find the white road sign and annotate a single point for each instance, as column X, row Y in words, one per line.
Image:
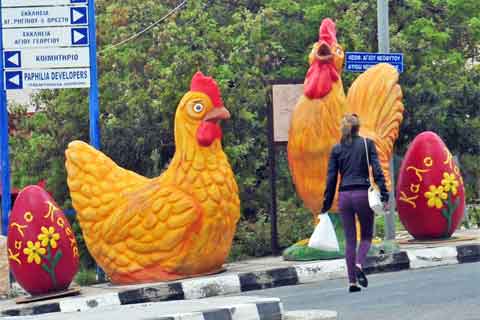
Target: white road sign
column 44, row 16
column 47, row 58
column 47, row 79
column 44, row 37
column 32, row 3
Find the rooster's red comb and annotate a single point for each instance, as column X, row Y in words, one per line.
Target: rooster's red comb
column 328, row 31
column 207, row 85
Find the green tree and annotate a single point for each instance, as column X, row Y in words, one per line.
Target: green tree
column 244, row 44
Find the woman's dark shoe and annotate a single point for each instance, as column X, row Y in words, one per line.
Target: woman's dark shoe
column 354, row 288
column 362, row 279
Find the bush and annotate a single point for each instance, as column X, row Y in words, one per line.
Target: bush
column 473, row 213
column 86, row 277
column 253, row 237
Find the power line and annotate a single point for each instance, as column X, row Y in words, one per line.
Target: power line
column 138, row 34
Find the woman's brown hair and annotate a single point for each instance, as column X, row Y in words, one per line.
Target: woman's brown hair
column 350, row 126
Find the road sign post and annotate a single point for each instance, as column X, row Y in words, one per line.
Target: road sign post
column 45, row 44
column 93, row 98
column 4, row 152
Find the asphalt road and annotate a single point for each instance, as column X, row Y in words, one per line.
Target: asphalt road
column 451, row 292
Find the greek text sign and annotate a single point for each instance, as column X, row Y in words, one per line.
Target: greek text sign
column 47, row 79
column 32, row 3
column 361, row 61
column 47, row 58
column 44, row 16
column 44, row 37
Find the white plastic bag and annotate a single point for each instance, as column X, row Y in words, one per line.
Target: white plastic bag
column 324, row 237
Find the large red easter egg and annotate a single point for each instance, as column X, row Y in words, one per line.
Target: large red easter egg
column 42, row 249
column 430, row 189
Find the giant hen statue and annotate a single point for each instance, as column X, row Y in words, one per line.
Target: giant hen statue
column 178, row 225
column 375, row 97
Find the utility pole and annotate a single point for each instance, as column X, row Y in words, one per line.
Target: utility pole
column 384, row 47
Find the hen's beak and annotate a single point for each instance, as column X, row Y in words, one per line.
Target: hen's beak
column 324, row 53
column 217, row 114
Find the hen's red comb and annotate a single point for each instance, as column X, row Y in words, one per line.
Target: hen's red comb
column 328, row 31
column 207, row 85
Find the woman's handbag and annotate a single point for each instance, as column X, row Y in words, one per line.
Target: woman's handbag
column 324, row 236
column 374, row 198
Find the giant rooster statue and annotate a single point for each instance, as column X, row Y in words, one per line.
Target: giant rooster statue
column 178, row 225
column 375, row 97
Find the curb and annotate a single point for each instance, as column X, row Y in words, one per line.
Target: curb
column 236, row 283
column 243, row 308
column 250, row 311
column 311, row 315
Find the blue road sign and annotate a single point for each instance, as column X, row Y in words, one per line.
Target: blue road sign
column 361, row 61
column 22, row 38
column 59, row 16
column 79, row 36
column 13, row 80
column 13, row 59
column 33, row 3
column 78, row 15
column 62, row 26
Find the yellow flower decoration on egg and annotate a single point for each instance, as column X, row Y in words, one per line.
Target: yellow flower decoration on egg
column 436, row 196
column 450, row 183
column 49, row 236
column 34, row 251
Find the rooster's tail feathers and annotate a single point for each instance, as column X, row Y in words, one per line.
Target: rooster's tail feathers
column 95, row 181
column 376, row 97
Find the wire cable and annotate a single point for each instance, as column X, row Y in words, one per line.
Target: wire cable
column 138, row 34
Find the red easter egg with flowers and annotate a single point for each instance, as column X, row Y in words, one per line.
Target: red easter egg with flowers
column 430, row 189
column 43, row 253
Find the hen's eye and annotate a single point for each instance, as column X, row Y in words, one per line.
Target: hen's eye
column 339, row 51
column 198, row 108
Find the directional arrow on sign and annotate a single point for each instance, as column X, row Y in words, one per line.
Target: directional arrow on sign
column 14, row 80
column 78, row 15
column 13, row 59
column 79, row 36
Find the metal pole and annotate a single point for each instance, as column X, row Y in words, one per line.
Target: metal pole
column 94, row 108
column 273, row 178
column 4, row 154
column 383, row 26
column 384, row 47
column 93, row 97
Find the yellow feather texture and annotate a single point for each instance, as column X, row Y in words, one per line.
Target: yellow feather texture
column 314, row 130
column 376, row 97
column 178, row 225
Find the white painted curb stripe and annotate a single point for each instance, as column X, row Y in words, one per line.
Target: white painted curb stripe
column 88, row 303
column 190, row 316
column 317, row 271
column 311, row 315
column 209, row 287
column 245, row 311
column 424, row 258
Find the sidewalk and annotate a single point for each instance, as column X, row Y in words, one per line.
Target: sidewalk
column 259, row 274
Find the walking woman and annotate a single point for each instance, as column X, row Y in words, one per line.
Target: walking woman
column 349, row 159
